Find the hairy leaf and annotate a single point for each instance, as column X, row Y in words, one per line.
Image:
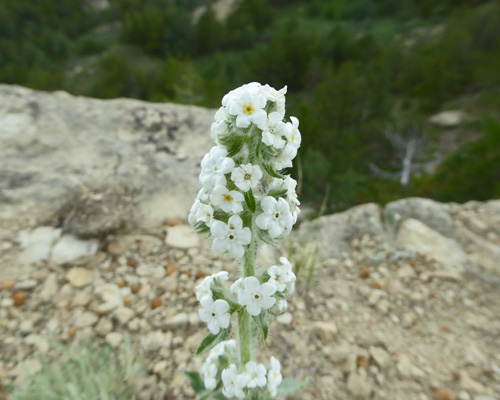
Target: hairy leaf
column 196, row 381
column 212, row 340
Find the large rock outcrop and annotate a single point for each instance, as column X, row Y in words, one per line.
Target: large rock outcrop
column 51, row 143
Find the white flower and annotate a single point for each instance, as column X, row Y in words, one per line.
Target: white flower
column 274, row 130
column 209, row 370
column 256, row 297
column 248, row 107
column 214, row 166
column 276, row 96
column 231, row 237
column 214, row 313
column 192, row 213
column 246, row 177
column 234, row 383
column 233, row 94
column 228, row 200
column 257, row 374
column 205, row 213
column 274, row 376
column 236, row 286
column 276, row 217
column 293, row 138
column 281, row 306
column 281, row 276
column 203, row 289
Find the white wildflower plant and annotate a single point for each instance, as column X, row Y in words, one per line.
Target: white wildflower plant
column 245, row 200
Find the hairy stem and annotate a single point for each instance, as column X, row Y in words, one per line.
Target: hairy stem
column 244, row 318
column 245, row 335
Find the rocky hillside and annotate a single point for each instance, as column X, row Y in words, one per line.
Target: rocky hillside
column 394, row 302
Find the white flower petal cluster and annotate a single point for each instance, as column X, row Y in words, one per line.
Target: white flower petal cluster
column 246, row 176
column 234, row 383
column 230, row 237
column 276, row 218
column 203, row 289
column 257, row 374
column 256, row 296
column 282, row 276
column 210, row 367
column 214, row 313
column 274, row 376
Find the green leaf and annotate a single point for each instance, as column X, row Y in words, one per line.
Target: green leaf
column 212, row 340
column 266, row 237
column 219, row 396
column 201, row 227
column 290, row 385
column 260, row 320
column 250, row 200
column 232, row 143
column 272, row 172
column 196, row 381
column 276, row 193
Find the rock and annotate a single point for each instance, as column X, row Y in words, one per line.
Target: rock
column 407, row 370
column 7, row 285
column 285, row 319
column 182, row 237
column 155, row 340
column 474, row 356
column 433, row 214
column 447, row 119
column 26, row 327
column 469, row 384
column 37, row 244
column 26, row 368
column 177, row 321
column 85, row 319
column 463, row 395
column 97, row 207
column 79, row 277
column 123, row 314
column 69, row 248
column 382, row 358
column 81, row 299
column 169, row 284
column 50, row 287
column 160, row 366
column 41, row 343
column 111, row 296
column 146, row 243
column 359, row 383
column 19, row 298
column 104, row 327
column 114, row 339
column 414, row 235
column 332, row 233
column 27, row 285
column 325, row 330
column 443, row 394
column 446, row 275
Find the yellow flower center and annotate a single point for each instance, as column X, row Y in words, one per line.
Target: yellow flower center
column 249, row 109
column 293, row 138
column 228, row 197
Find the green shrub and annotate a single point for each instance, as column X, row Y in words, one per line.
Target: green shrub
column 82, row 371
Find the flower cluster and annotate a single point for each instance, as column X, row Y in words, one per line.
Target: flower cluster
column 220, row 366
column 245, row 200
column 238, row 175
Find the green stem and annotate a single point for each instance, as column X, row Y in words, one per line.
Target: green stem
column 244, row 318
column 245, row 335
column 249, row 258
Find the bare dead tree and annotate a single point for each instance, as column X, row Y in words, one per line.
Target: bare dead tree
column 405, row 148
